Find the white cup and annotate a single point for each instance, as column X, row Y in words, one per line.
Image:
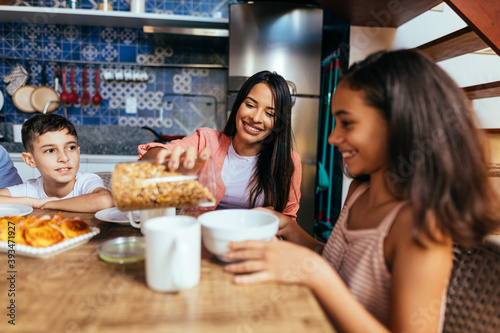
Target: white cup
column 173, row 253
column 146, row 214
column 119, row 75
column 108, row 75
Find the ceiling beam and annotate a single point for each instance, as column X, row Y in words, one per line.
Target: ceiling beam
column 457, row 43
column 378, row 13
column 484, row 90
column 483, row 16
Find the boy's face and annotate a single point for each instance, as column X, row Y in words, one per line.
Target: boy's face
column 56, row 155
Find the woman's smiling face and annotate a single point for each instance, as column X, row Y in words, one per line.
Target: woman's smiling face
column 254, row 120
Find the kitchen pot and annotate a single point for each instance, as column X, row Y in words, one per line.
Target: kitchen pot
column 161, row 137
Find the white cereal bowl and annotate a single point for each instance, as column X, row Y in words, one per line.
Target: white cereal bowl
column 220, row 227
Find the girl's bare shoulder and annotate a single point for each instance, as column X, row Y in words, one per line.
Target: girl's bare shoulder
column 407, row 231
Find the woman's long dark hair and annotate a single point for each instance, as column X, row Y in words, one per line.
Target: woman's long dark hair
column 436, row 152
column 274, row 167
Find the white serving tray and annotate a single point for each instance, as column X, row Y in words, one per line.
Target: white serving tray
column 45, row 252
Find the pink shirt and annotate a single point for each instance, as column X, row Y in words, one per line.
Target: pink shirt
column 358, row 257
column 219, row 143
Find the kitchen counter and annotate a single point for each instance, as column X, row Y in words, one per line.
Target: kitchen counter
column 96, row 140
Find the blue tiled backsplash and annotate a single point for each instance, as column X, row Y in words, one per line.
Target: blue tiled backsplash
column 122, row 49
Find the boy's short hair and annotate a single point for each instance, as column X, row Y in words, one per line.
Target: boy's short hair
column 41, row 124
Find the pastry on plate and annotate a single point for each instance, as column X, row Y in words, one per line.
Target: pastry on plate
column 74, row 227
column 43, row 236
column 41, row 231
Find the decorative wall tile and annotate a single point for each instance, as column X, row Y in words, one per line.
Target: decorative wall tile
column 119, row 50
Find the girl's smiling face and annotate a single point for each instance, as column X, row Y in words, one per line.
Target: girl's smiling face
column 254, row 120
column 360, row 132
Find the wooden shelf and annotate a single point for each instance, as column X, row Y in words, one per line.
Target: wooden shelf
column 87, row 17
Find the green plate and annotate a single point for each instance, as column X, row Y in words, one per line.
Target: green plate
column 122, row 250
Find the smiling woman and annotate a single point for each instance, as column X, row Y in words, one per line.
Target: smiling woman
column 255, row 163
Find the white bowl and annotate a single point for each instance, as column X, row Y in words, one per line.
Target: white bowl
column 220, row 227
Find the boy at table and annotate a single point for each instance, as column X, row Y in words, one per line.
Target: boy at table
column 51, row 146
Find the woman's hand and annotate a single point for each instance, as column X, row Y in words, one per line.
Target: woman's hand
column 274, row 261
column 188, row 157
column 285, row 221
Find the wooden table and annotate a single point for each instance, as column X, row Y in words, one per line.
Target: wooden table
column 75, row 291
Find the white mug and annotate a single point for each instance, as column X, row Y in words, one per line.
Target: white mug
column 173, row 252
column 146, row 214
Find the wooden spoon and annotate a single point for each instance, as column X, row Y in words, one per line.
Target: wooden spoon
column 73, row 96
column 85, row 99
column 97, row 98
column 64, row 95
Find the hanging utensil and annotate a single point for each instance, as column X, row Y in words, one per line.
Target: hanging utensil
column 43, row 95
column 73, row 96
column 22, row 96
column 97, row 98
column 17, row 78
column 85, row 99
column 64, row 95
column 163, row 138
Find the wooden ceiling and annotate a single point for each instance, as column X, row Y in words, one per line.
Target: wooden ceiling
column 482, row 28
column 379, row 13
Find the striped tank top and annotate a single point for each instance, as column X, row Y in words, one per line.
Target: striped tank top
column 358, row 257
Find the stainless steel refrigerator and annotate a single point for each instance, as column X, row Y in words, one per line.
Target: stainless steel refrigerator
column 285, row 38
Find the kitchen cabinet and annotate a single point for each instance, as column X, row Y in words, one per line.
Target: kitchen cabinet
column 123, row 19
column 88, row 163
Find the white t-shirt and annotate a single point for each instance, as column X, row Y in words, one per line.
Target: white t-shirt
column 33, row 188
column 236, row 173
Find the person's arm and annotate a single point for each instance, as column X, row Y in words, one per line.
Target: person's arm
column 292, row 263
column 6, row 198
column 290, row 230
column 293, row 204
column 99, row 199
column 8, row 173
column 419, row 279
column 420, row 275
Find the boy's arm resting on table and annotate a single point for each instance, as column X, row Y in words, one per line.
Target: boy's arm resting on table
column 6, row 198
column 99, row 199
